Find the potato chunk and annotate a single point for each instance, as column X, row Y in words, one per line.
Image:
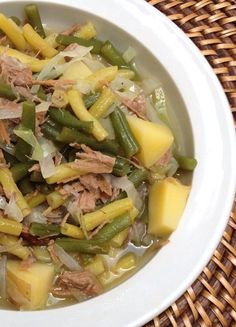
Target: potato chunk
column 154, row 139
column 167, row 200
column 32, row 284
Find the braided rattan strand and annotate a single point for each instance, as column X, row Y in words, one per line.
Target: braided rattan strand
column 211, row 300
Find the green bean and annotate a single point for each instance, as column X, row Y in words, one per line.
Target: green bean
column 20, row 170
column 34, row 19
column 136, row 177
column 6, row 92
column 25, row 186
column 65, row 118
column 49, row 131
column 90, row 98
column 55, row 200
column 38, row 229
column 45, row 188
column 23, row 149
column 10, row 159
column 83, row 246
column 112, row 55
column 41, row 94
column 36, row 176
column 70, row 135
column 36, row 200
column 121, row 167
column 112, row 229
column 16, row 20
column 187, row 163
column 9, row 148
column 68, row 39
column 123, row 133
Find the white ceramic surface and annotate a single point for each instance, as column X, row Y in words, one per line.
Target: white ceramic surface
column 177, row 265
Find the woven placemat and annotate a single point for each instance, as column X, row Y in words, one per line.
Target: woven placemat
column 211, row 300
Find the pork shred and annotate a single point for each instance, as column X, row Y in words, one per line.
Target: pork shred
column 4, row 136
column 93, row 161
column 137, row 106
column 83, row 282
column 165, row 159
column 13, row 72
column 74, row 28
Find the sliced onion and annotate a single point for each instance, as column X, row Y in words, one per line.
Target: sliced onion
column 93, row 65
column 17, row 112
column 12, row 210
column 56, row 66
column 150, row 84
column 106, row 123
column 83, row 86
column 120, row 83
column 3, row 279
column 3, row 203
column 66, row 259
column 129, row 54
column 126, row 185
column 47, row 166
column 151, row 113
column 137, row 232
column 36, row 216
column 47, row 146
column 28, row 136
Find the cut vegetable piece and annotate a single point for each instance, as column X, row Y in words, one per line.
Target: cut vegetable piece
column 86, row 31
column 76, row 71
column 82, row 113
column 167, row 200
column 33, row 283
column 9, row 27
column 63, row 172
column 102, row 76
column 154, row 139
column 11, row 227
column 72, row 231
column 96, row 267
column 37, row 42
column 14, row 246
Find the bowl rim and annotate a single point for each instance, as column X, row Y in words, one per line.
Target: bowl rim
column 153, row 21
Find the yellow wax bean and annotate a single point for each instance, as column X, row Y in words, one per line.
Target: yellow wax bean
column 15, row 247
column 34, row 64
column 37, row 42
column 72, row 231
column 101, row 76
column 9, row 27
column 10, row 187
column 63, row 172
column 83, row 114
column 101, row 106
column 55, row 200
column 107, row 213
column 11, row 227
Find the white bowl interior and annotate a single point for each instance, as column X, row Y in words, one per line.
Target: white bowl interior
column 172, row 270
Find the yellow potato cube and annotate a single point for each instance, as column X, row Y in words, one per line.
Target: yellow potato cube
column 33, row 284
column 154, row 139
column 167, row 200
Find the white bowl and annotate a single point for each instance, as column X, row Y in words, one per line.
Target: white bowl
column 166, row 51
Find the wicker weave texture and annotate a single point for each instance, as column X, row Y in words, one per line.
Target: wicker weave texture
column 211, row 300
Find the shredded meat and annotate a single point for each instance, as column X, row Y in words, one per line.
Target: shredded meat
column 138, row 106
column 14, row 72
column 165, row 159
column 4, row 136
column 26, row 264
column 35, row 167
column 9, row 105
column 51, row 251
column 74, row 28
column 93, row 161
column 73, row 189
column 84, row 281
column 24, row 91
column 94, row 182
column 87, row 201
column 54, row 82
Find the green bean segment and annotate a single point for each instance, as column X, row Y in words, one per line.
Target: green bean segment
column 69, row 39
column 65, row 118
column 34, row 19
